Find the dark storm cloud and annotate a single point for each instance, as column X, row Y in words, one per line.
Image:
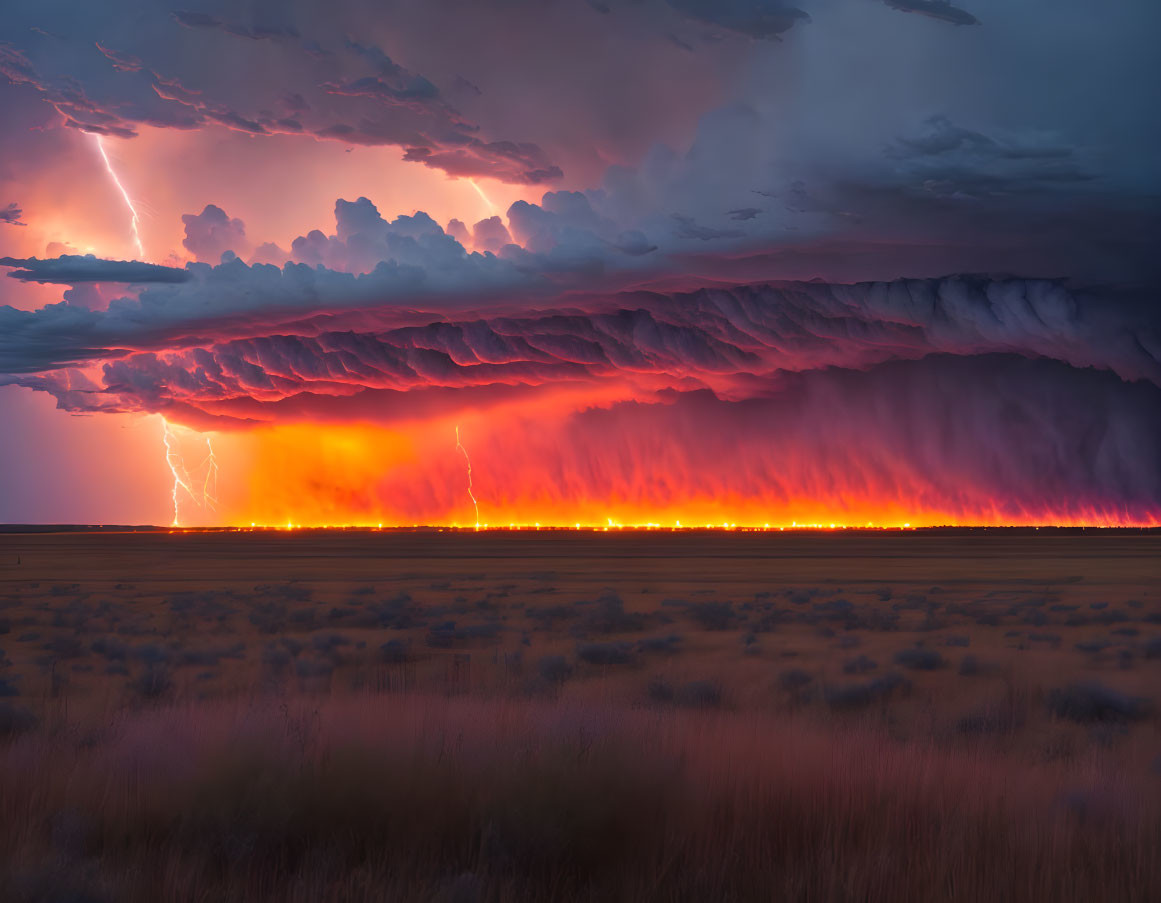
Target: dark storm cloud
column 734, row 339
column 255, row 32
column 949, row 160
column 350, row 92
column 10, row 215
column 760, row 19
column 936, row 9
column 74, row 269
column 688, row 228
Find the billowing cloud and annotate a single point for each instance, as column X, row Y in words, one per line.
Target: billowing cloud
column 209, row 234
column 743, row 260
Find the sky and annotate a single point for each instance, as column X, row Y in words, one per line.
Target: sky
column 753, row 262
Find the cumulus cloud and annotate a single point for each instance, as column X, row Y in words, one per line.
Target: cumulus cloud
column 209, row 234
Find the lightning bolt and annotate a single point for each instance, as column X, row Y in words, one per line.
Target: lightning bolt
column 209, row 496
column 471, row 495
column 134, row 218
column 480, row 192
column 183, row 481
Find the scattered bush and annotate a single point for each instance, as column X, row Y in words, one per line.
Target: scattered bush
column 794, row 679
column 698, row 694
column 554, row 669
column 608, row 615
column 857, row 696
column 1092, row 702
column 860, row 664
column 154, row 683
column 919, row 658
column 712, row 615
column 969, row 666
column 15, row 720
column 663, row 644
column 394, row 652
column 605, row 653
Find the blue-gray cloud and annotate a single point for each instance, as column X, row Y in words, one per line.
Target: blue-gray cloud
column 76, row 269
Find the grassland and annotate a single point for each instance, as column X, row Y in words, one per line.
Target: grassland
column 558, row 716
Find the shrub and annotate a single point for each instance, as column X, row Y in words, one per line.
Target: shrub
column 969, row 666
column 307, row 668
column 712, row 615
column 919, row 658
column 860, row 664
column 663, row 644
column 608, row 615
column 554, row 669
column 660, row 690
column 794, row 679
column 857, row 696
column 698, row 694
column 1092, row 702
column 394, row 652
column 605, row 653
column 15, row 720
column 154, row 683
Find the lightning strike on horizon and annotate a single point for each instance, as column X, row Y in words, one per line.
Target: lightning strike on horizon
column 181, row 476
column 134, row 219
column 173, row 459
column 209, row 497
column 471, row 495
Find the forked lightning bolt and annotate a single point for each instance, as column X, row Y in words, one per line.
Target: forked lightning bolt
column 471, row 495
column 182, row 481
column 134, row 218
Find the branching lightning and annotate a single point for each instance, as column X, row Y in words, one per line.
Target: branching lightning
column 134, row 218
column 471, row 495
column 205, row 496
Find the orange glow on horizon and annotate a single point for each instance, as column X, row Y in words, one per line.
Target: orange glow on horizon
column 300, row 476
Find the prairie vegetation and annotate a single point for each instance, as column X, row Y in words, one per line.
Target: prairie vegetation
column 466, row 717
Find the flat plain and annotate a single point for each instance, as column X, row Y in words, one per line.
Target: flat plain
column 309, row 715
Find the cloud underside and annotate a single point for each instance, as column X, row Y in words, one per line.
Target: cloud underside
column 978, row 398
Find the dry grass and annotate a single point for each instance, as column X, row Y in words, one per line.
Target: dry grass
column 413, row 796
column 939, row 721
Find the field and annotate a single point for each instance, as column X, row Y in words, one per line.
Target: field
column 460, row 716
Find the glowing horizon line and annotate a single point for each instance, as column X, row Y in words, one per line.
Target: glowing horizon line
column 135, row 219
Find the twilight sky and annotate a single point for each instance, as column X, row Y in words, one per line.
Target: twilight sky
column 749, row 261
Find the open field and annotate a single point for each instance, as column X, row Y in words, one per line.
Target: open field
column 955, row 715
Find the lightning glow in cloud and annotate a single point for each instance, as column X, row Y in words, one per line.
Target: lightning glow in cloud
column 134, row 218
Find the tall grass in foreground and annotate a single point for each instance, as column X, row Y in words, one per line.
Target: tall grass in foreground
column 430, row 798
